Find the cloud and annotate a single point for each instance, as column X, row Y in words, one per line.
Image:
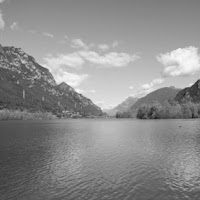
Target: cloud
column 141, row 93
column 70, row 78
column 48, row 35
column 70, row 60
column 58, row 67
column 1, row 1
column 78, row 58
column 112, row 59
column 78, row 43
column 154, row 82
column 14, row 26
column 61, row 75
column 147, row 88
column 2, row 23
column 103, row 47
column 180, row 62
column 131, row 87
column 37, row 33
column 59, row 64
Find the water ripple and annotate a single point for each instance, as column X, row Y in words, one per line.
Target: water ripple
column 98, row 159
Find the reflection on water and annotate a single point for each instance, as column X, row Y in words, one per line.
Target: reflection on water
column 100, row 159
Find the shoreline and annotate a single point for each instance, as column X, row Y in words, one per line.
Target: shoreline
column 6, row 115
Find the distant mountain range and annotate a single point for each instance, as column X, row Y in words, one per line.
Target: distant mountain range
column 24, row 84
column 161, row 95
column 122, row 107
column 132, row 104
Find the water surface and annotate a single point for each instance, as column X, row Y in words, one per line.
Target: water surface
column 100, row 159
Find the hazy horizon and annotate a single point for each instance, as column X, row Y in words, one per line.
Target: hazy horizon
column 108, row 50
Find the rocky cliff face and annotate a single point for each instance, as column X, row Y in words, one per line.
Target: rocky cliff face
column 26, row 84
column 189, row 94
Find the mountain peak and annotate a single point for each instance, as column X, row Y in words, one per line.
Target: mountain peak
column 19, row 73
column 65, row 86
column 190, row 93
column 198, row 81
column 1, row 49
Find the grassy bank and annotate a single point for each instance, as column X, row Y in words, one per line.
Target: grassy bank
column 24, row 115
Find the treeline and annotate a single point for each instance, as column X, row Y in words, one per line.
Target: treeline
column 24, row 115
column 169, row 110
column 125, row 114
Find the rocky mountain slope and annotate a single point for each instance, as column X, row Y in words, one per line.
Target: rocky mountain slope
column 24, row 84
column 161, row 95
column 190, row 93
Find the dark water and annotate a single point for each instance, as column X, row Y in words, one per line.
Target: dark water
column 100, row 159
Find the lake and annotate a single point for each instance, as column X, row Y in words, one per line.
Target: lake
column 96, row 159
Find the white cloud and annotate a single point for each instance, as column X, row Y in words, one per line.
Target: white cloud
column 59, row 64
column 71, row 60
column 180, row 62
column 70, row 78
column 1, row 1
column 61, row 75
column 147, row 88
column 2, row 23
column 131, row 87
column 14, row 26
column 141, row 93
column 152, row 83
column 58, row 67
column 112, row 59
column 103, row 47
column 48, row 35
column 78, row 43
column 77, row 59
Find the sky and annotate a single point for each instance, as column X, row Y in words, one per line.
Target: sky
column 108, row 50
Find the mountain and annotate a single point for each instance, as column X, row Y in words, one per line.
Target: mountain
column 161, row 95
column 124, row 106
column 190, row 93
column 24, row 84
